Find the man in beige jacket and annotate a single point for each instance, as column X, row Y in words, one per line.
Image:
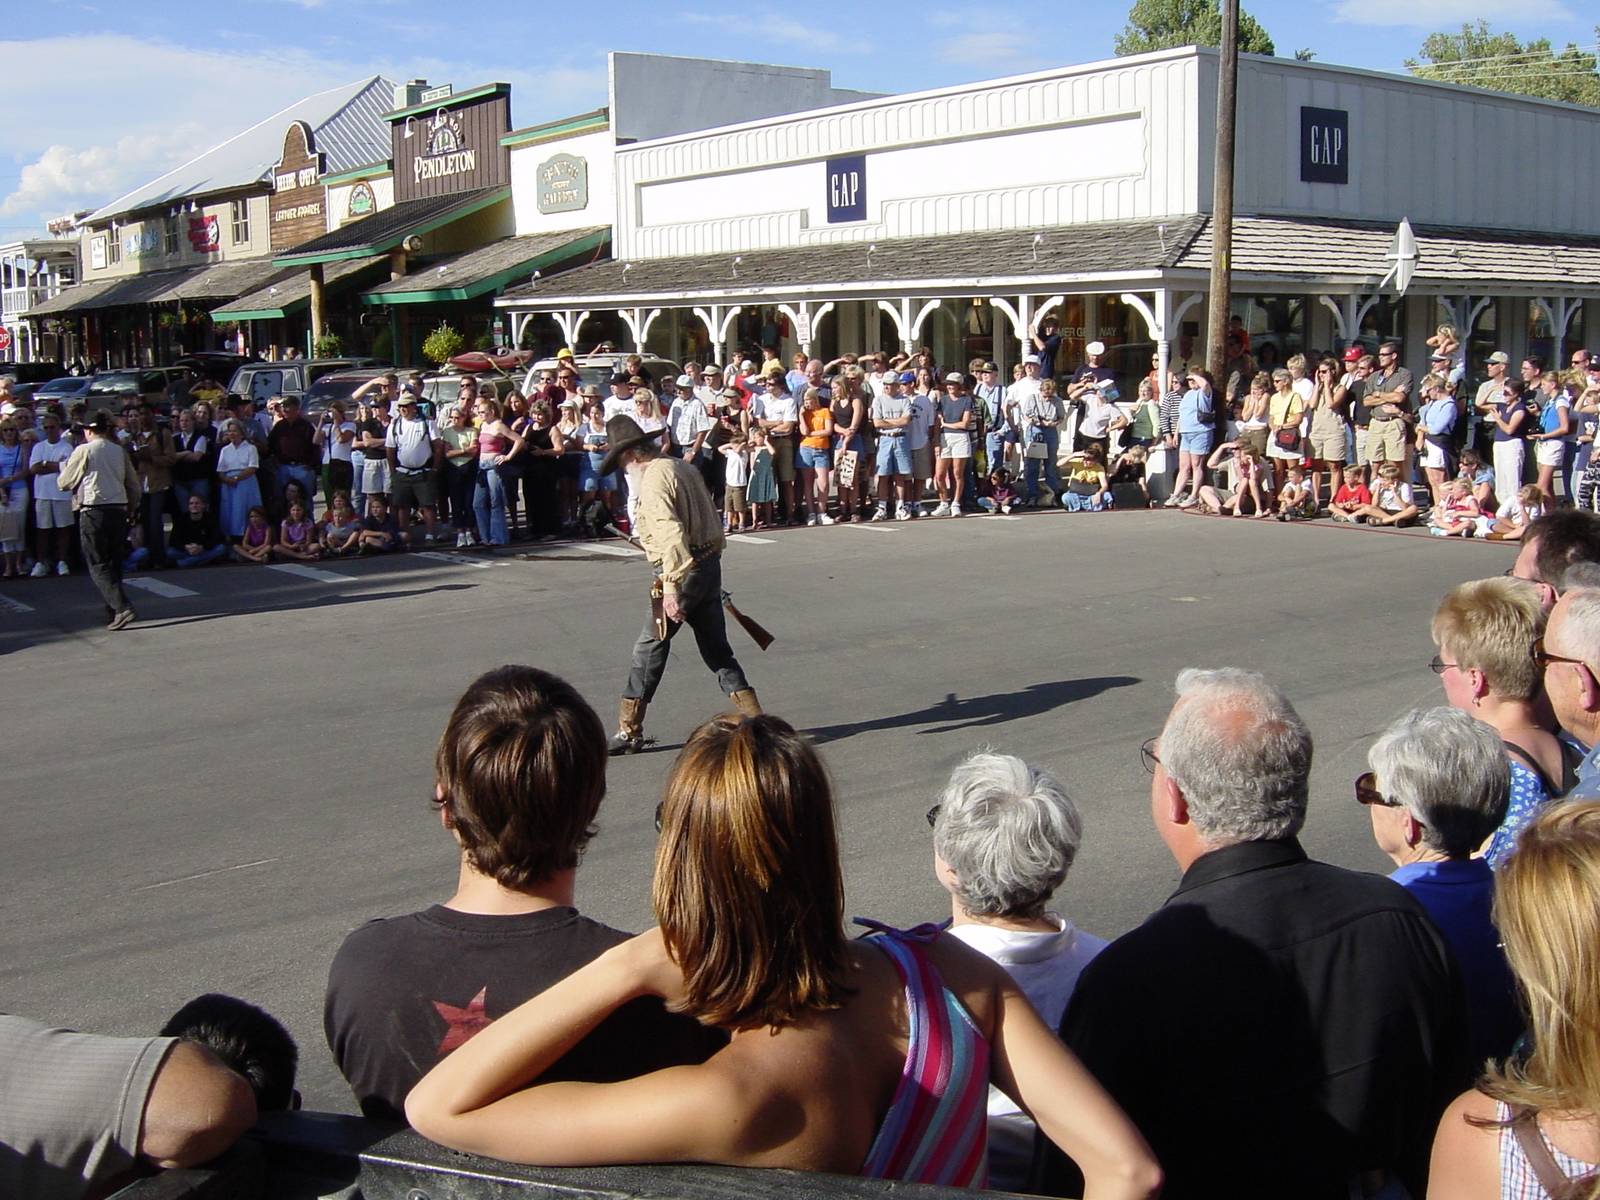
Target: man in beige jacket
column 105, row 485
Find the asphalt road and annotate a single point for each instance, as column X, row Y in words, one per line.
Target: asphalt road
column 212, row 799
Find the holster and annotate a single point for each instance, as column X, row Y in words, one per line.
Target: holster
column 658, row 610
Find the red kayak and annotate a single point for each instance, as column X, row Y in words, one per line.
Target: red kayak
column 477, row 360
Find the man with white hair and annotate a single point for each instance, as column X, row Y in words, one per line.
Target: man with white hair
column 1279, row 1027
column 1438, row 789
column 1569, row 655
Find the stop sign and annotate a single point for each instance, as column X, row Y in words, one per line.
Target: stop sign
column 5, row 338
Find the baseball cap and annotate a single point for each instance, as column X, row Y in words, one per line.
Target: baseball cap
column 732, row 393
column 908, row 377
column 563, row 353
column 1352, row 354
column 1095, row 348
column 686, row 381
column 1439, row 356
column 1594, row 363
column 1031, row 358
column 747, row 365
column 988, row 366
column 618, row 381
column 637, row 381
column 592, row 390
column 1499, row 356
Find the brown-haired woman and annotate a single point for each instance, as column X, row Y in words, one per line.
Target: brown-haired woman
column 820, row 1073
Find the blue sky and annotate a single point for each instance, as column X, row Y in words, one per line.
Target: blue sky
column 114, row 94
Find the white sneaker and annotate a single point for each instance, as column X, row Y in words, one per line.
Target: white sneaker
column 882, row 514
column 956, row 512
column 63, row 569
column 461, row 538
column 812, row 520
column 903, row 515
column 1188, row 501
column 1171, row 501
column 941, row 509
column 40, row 570
column 824, row 519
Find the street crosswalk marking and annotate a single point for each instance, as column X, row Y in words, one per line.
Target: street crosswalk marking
column 750, row 539
column 306, row 572
column 16, row 606
column 459, row 560
column 582, row 550
column 158, row 587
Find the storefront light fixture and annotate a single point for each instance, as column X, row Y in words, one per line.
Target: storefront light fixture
column 1038, row 240
column 737, row 259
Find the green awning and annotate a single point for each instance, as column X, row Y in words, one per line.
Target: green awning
column 486, row 269
column 289, row 295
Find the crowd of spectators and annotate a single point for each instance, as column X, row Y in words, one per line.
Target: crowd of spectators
column 1279, row 1027
column 868, row 437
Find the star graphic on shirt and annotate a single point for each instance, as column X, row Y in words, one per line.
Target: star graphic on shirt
column 462, row 1023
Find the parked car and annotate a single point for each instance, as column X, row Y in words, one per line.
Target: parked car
column 65, row 391
column 263, row 380
column 27, row 377
column 341, row 385
column 442, row 387
column 599, row 368
column 113, row 390
column 215, row 364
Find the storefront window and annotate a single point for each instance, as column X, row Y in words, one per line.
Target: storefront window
column 1482, row 341
column 170, row 235
column 239, row 212
column 1541, row 335
column 1276, row 325
column 1382, row 323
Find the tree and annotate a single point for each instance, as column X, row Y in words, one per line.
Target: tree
column 1480, row 57
column 443, row 344
column 1164, row 24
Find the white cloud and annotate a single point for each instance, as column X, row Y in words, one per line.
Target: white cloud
column 1448, row 14
column 63, row 179
column 990, row 41
column 757, row 28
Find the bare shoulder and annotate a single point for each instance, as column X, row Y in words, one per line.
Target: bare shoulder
column 1466, row 1152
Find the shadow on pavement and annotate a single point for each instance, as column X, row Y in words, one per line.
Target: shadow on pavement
column 299, row 605
column 953, row 713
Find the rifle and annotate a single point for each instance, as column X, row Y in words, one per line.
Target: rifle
column 757, row 632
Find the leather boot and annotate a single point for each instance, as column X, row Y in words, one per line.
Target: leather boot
column 745, row 701
column 629, row 738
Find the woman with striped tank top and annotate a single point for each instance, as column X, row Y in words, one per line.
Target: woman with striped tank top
column 870, row 1057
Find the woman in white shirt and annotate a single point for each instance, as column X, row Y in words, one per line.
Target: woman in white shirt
column 237, row 465
column 1004, row 837
column 335, row 437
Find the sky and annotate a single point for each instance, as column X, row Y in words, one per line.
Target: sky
column 106, row 96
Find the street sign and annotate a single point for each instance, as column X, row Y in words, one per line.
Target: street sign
column 1402, row 257
column 5, row 338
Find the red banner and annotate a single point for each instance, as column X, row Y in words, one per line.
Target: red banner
column 205, row 234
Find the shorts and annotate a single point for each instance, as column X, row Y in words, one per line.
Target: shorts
column 374, row 477
column 1276, row 451
column 1195, row 443
column 1328, row 445
column 1256, row 439
column 412, row 491
column 1386, row 441
column 1433, row 455
column 53, row 514
column 894, row 456
column 922, row 462
column 590, row 480
column 736, row 500
column 783, row 457
column 813, row 459
column 1550, row 454
column 957, row 445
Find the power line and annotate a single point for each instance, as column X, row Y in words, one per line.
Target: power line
column 1548, row 54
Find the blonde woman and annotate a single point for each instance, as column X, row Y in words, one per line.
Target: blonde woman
column 1284, row 409
column 1531, row 1127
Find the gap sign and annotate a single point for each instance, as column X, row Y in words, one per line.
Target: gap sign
column 847, row 189
column 1324, row 145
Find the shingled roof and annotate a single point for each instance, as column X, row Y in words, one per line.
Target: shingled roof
column 964, row 259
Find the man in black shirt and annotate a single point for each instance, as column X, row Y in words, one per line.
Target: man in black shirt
column 519, row 777
column 1280, row 1027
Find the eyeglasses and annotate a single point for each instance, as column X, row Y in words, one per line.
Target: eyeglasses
column 1147, row 754
column 1438, row 665
column 1367, row 793
column 1544, row 658
column 1385, row 354
column 933, row 815
column 659, row 803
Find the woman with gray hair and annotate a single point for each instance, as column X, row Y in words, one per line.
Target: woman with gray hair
column 1438, row 787
column 1004, row 836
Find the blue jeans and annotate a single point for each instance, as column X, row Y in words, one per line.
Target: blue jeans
column 1052, row 473
column 995, row 443
column 1095, row 503
column 152, row 513
column 306, row 477
column 489, row 503
column 215, row 554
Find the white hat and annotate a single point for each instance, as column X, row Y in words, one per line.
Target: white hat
column 1095, row 348
column 1031, row 358
column 686, row 381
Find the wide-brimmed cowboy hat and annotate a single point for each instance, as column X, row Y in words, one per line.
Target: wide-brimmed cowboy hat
column 623, row 434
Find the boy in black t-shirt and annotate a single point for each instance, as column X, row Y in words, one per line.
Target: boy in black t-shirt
column 519, row 776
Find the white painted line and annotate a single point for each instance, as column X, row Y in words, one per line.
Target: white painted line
column 150, row 887
column 750, row 539
column 306, row 572
column 158, row 587
column 460, row 560
column 582, row 550
column 998, row 517
column 871, row 527
column 16, row 606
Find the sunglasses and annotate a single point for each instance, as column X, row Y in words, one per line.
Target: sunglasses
column 1544, row 658
column 1367, row 793
column 1438, row 665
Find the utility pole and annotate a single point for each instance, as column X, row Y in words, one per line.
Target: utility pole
column 1220, row 300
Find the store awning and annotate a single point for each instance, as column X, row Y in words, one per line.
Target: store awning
column 1449, row 259
column 289, row 294
column 154, row 288
column 224, row 281
column 383, row 231
column 1116, row 252
column 488, row 268
column 78, row 298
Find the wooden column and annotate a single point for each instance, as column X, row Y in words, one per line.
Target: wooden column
column 318, row 304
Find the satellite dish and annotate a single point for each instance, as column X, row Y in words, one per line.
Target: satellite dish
column 1402, row 258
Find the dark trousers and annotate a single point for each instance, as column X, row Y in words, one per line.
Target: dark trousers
column 152, row 511
column 460, row 483
column 104, row 533
column 701, row 597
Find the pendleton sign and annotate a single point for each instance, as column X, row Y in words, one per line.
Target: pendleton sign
column 453, row 144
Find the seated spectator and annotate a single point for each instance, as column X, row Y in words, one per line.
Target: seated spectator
column 997, row 495
column 856, row 1057
column 341, row 530
column 1511, row 523
column 1088, row 486
column 1533, row 1122
column 297, row 536
column 1486, row 631
column 1320, row 1001
column 1456, row 512
column 1437, row 790
column 1004, row 837
column 519, row 777
column 380, row 532
column 81, row 1115
column 1392, row 502
column 1480, row 479
column 1296, row 499
column 1351, row 497
column 1252, row 483
column 1129, row 467
column 250, row 1041
column 255, row 543
column 196, row 540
